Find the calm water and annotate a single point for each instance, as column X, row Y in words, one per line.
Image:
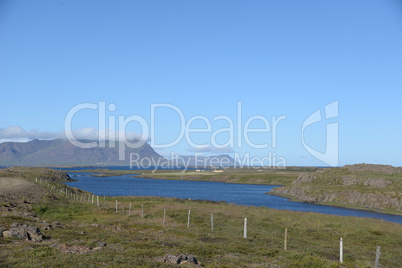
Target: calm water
column 241, row 194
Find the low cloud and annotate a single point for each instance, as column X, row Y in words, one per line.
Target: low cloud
column 18, row 134
column 211, row 149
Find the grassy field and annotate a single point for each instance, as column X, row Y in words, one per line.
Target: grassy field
column 132, row 240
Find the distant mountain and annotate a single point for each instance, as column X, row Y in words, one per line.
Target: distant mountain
column 62, row 152
column 199, row 161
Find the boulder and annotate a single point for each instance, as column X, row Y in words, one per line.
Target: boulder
column 180, row 259
column 101, row 244
column 29, row 232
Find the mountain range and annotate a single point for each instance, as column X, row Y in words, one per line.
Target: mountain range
column 63, row 152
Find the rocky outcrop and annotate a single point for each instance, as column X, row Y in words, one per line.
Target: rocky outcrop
column 383, row 169
column 357, row 198
column 304, row 178
column 179, row 259
column 29, row 232
column 340, row 187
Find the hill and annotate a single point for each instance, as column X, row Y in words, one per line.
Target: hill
column 363, row 186
column 62, row 152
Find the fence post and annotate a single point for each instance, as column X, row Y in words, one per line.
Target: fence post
column 188, row 219
column 129, row 210
column 164, row 216
column 116, row 205
column 377, row 257
column 97, row 200
column 212, row 222
column 341, row 250
column 245, row 228
column 285, row 243
column 142, row 211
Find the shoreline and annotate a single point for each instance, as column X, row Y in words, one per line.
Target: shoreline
column 268, row 193
column 290, row 198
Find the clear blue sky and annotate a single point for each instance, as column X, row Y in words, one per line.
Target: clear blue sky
column 275, row 57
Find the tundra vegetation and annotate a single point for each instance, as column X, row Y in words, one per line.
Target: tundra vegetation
column 80, row 231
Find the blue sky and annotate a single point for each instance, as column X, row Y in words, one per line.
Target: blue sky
column 278, row 58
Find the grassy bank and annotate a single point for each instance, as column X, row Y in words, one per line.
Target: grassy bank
column 133, row 240
column 230, row 175
column 366, row 188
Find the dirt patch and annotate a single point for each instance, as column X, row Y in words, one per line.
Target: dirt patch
column 8, row 185
column 19, row 194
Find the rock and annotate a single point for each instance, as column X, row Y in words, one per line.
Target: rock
column 117, row 228
column 29, row 232
column 101, row 244
column 57, row 224
column 29, row 215
column 169, row 258
column 74, row 249
column 192, row 259
column 45, row 226
column 180, row 259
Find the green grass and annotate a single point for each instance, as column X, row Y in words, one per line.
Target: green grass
column 339, row 187
column 134, row 241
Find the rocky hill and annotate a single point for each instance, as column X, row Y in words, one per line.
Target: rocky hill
column 62, row 152
column 361, row 186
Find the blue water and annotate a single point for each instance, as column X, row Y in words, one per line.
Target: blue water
column 241, row 194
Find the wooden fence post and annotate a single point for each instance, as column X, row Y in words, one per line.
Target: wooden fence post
column 116, row 205
column 212, row 222
column 188, row 219
column 285, row 243
column 245, row 228
column 164, row 216
column 341, row 250
column 377, row 257
column 129, row 210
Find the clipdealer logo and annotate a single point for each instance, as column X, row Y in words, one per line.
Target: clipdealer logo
column 239, row 131
column 331, row 154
